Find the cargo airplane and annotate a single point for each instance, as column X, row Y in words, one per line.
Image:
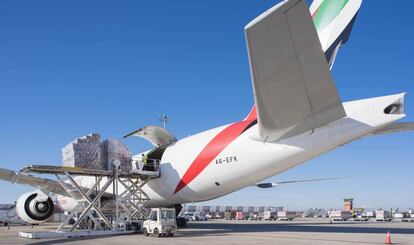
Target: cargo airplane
column 297, row 115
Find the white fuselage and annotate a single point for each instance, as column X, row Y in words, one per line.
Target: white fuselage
column 248, row 160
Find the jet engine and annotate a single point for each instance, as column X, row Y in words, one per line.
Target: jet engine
column 34, row 207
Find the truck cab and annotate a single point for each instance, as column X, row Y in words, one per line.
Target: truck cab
column 161, row 222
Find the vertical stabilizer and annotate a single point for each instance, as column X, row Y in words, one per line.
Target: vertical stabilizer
column 333, row 20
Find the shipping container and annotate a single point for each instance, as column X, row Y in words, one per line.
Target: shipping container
column 270, row 215
column 383, row 215
column 338, row 215
column 286, row 215
column 230, row 215
column 239, row 215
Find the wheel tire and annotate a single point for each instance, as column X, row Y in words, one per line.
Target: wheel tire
column 90, row 224
column 171, row 234
column 157, row 233
column 145, row 232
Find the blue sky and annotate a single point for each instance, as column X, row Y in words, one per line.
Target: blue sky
column 68, row 68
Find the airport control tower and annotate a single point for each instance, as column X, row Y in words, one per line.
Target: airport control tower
column 348, row 204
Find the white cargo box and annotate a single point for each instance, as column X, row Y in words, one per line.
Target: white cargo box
column 399, row 215
column 270, row 215
column 340, row 215
column 370, row 214
column 383, row 215
column 286, row 215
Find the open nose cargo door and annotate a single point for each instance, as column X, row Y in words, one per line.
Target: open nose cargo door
column 157, row 136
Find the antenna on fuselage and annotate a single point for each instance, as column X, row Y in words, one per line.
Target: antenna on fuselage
column 164, row 119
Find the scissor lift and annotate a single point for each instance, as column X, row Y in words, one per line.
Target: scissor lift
column 88, row 214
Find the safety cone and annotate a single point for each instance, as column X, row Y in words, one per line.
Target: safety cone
column 388, row 238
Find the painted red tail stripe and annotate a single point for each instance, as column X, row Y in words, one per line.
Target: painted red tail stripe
column 314, row 13
column 213, row 148
column 252, row 115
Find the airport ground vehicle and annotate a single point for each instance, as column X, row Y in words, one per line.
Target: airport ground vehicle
column 161, row 222
column 410, row 218
column 188, row 216
column 230, row 215
column 217, row 216
column 383, row 215
column 270, row 215
column 241, row 216
column 286, row 215
column 361, row 218
column 254, row 217
column 199, row 216
column 338, row 215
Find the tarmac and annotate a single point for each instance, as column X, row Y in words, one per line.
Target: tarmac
column 214, row 232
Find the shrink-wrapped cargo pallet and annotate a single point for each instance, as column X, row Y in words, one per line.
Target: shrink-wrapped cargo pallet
column 112, row 150
column 84, row 152
column 89, row 152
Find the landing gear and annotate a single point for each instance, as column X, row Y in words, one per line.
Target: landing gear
column 181, row 222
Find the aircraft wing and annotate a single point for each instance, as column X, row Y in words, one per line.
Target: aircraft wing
column 293, row 88
column 44, row 184
column 274, row 184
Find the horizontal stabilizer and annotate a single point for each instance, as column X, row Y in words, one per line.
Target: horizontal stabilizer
column 274, row 184
column 293, row 88
column 395, row 128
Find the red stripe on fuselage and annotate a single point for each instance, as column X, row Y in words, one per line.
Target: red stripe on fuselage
column 213, row 148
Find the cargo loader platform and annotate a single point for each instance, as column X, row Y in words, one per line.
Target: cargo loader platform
column 52, row 169
column 122, row 190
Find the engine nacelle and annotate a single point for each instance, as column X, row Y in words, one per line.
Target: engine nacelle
column 34, row 207
column 65, row 203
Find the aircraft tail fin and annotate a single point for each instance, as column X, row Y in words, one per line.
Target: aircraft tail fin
column 334, row 21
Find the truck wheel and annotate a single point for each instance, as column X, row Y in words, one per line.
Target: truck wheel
column 145, row 232
column 171, row 234
column 157, row 233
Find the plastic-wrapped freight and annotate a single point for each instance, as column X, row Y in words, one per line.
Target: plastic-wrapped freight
column 112, row 150
column 83, row 152
column 89, row 152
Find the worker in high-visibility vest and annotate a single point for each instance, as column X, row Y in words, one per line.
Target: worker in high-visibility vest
column 144, row 160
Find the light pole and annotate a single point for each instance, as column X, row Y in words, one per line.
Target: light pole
column 164, row 119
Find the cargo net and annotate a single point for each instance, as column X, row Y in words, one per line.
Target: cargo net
column 92, row 153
